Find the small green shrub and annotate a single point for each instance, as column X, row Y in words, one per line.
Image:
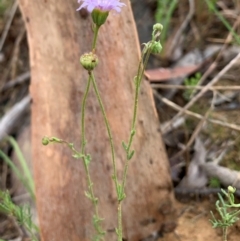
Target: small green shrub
column 191, row 82
column 228, row 211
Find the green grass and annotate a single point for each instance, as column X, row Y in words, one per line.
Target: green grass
column 214, row 182
column 4, row 5
column 25, row 175
column 22, row 214
column 166, row 8
column 191, row 82
column 212, row 7
column 163, row 15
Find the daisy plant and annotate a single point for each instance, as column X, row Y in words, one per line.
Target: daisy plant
column 100, row 10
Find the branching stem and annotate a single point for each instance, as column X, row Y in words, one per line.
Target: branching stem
column 108, row 129
column 86, row 160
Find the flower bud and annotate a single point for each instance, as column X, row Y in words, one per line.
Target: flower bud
column 45, row 141
column 89, row 61
column 99, row 17
column 231, row 189
column 157, row 27
column 155, row 47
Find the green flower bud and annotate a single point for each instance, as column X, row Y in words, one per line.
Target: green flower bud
column 45, row 141
column 155, row 47
column 157, row 27
column 99, row 17
column 89, row 61
column 231, row 189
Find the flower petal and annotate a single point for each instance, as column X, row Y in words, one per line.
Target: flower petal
column 105, row 5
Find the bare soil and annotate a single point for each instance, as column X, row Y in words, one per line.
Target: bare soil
column 194, row 225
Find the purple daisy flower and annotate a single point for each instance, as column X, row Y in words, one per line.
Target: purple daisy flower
column 104, row 5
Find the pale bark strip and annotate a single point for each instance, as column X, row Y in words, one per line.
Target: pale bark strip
column 57, row 36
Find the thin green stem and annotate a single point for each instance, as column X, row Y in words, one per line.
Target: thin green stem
column 138, row 84
column 90, row 186
column 108, row 129
column 132, row 133
column 211, row 6
column 170, row 9
column 138, row 80
column 224, row 233
column 96, row 29
column 119, row 232
column 83, row 142
column 163, row 15
column 93, row 198
column 86, row 161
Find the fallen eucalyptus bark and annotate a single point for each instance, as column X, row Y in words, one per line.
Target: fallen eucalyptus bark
column 200, row 171
column 225, row 175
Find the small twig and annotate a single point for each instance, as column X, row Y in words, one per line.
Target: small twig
column 165, row 128
column 182, row 27
column 18, row 80
column 9, row 120
column 206, row 87
column 12, row 66
column 200, row 215
column 7, row 26
column 193, row 136
column 181, row 87
column 190, row 113
column 214, row 64
column 3, row 224
column 21, row 231
column 15, row 56
column 21, row 197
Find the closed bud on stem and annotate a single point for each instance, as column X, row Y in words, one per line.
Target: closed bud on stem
column 89, row 61
column 155, row 47
column 231, row 189
column 45, row 141
column 99, row 17
column 158, row 27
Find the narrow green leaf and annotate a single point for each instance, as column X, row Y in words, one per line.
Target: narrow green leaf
column 88, row 195
column 14, row 169
column 78, row 156
column 133, row 132
column 87, row 159
column 71, row 145
column 27, row 179
column 124, row 145
column 129, row 157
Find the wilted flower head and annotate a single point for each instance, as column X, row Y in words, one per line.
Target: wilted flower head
column 104, row 5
